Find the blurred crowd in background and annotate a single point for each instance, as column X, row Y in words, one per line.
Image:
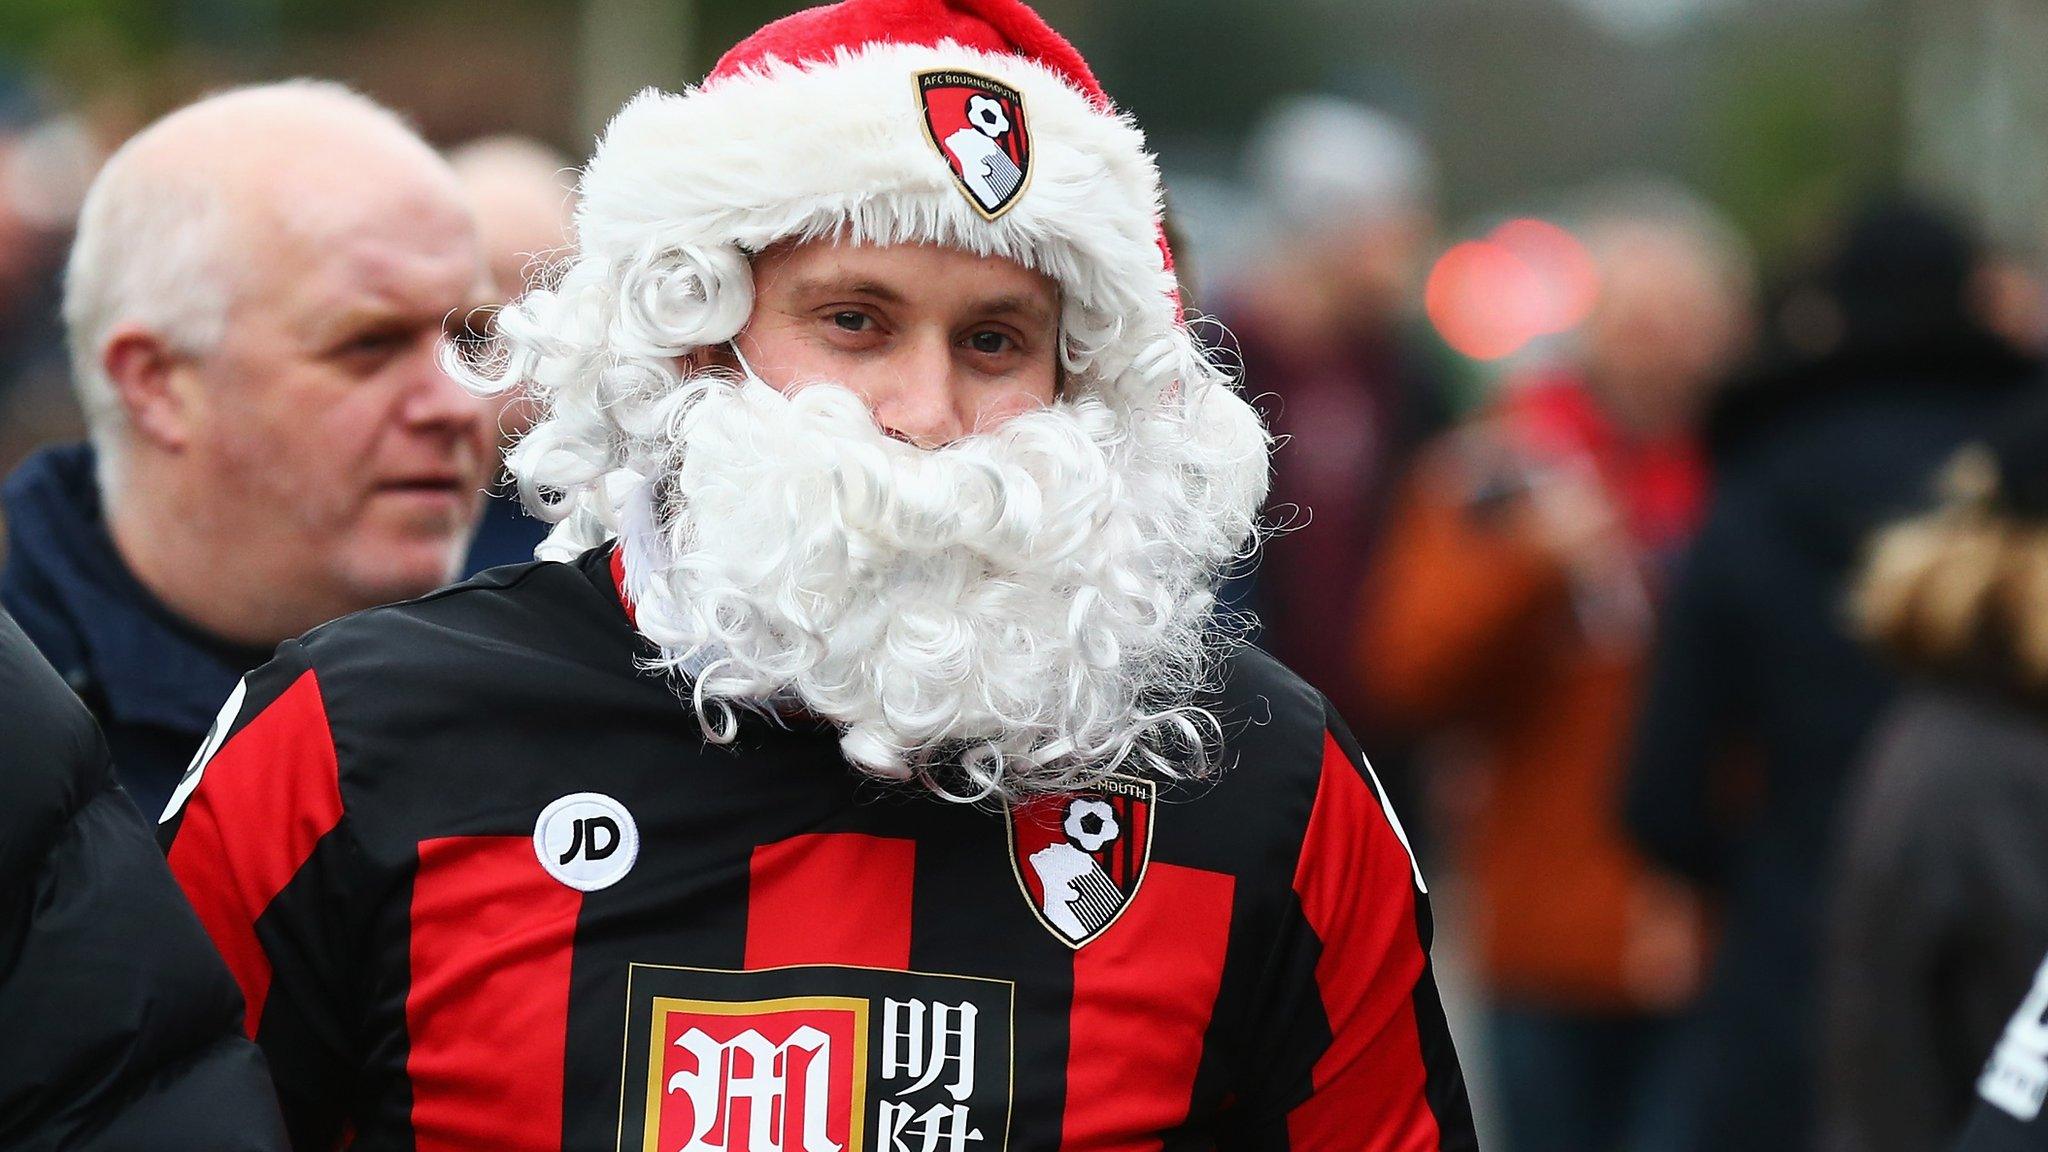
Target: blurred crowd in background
column 1663, row 491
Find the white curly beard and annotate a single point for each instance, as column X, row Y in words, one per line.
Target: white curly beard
column 1022, row 611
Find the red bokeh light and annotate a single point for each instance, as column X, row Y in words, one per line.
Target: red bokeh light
column 1571, row 283
column 1478, row 296
column 1528, row 278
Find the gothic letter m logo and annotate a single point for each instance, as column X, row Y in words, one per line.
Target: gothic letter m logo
column 787, row 1075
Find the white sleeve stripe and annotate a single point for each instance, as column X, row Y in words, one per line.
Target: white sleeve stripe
column 215, row 737
column 1400, row 833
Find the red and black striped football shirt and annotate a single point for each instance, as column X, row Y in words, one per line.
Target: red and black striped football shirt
column 485, row 886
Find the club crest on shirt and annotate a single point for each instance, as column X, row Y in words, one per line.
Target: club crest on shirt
column 1080, row 856
column 977, row 125
column 815, row 1058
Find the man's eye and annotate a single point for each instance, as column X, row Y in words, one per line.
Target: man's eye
column 372, row 344
column 990, row 343
column 852, row 321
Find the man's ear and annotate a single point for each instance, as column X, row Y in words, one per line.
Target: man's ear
column 145, row 373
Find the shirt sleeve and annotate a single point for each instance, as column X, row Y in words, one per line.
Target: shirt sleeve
column 1359, row 1057
column 256, row 839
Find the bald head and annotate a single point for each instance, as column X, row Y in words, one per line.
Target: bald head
column 247, row 140
column 256, row 303
column 523, row 195
column 1673, row 309
column 219, row 201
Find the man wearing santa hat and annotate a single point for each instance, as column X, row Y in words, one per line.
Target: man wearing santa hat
column 870, row 430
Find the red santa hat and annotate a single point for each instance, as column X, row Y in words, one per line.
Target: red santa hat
column 965, row 123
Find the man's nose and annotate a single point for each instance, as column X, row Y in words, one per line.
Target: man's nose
column 918, row 398
column 434, row 400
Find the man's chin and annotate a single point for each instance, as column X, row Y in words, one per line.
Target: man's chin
column 390, row 570
column 425, row 511
column 997, row 606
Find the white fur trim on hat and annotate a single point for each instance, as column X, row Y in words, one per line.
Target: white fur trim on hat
column 839, row 149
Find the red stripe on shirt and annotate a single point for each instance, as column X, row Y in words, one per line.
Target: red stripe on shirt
column 266, row 798
column 1143, row 994
column 487, row 1015
column 1357, row 889
column 831, row 898
column 618, row 567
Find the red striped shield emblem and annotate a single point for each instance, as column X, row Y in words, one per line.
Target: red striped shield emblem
column 977, row 125
column 1080, row 856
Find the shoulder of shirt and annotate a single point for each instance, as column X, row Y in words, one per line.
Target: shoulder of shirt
column 1248, row 816
column 1275, row 724
column 1257, row 684
column 543, row 611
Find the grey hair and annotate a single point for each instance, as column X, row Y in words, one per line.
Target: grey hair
column 152, row 250
column 1319, row 159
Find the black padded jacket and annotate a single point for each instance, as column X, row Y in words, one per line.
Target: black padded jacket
column 120, row 1027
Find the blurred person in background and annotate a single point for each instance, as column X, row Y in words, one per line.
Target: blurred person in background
column 254, row 303
column 46, row 158
column 1512, row 603
column 1759, row 698
column 523, row 195
column 2011, row 293
column 1327, row 330
column 1939, row 912
column 124, row 1029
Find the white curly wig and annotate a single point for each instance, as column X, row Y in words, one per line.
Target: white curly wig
column 1028, row 609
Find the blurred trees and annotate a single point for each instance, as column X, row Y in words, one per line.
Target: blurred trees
column 1778, row 109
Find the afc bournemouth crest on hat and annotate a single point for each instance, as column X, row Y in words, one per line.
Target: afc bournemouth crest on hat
column 1080, row 856
column 977, row 124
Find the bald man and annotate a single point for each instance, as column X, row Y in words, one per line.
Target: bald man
column 255, row 302
column 523, row 194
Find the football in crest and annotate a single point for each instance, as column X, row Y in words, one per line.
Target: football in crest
column 1080, row 856
column 977, row 125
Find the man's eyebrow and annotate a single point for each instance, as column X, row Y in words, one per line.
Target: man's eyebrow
column 847, row 286
column 1014, row 304
column 1007, row 304
column 381, row 314
column 359, row 314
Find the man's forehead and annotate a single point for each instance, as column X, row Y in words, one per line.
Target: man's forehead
column 906, row 270
column 401, row 274
column 420, row 255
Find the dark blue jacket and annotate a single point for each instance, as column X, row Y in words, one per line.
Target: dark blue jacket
column 1754, row 660
column 507, row 534
column 153, row 681
column 122, row 1028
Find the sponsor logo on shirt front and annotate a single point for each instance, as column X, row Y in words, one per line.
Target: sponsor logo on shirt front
column 815, row 1058
column 586, row 840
